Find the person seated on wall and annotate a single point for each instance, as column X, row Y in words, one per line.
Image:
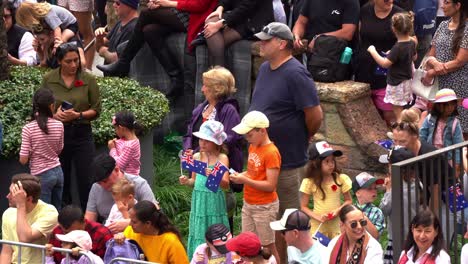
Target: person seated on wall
column 234, row 20
column 154, row 25
column 43, row 44
column 108, row 42
column 20, row 49
column 337, row 18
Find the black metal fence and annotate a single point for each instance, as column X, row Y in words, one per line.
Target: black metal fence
column 426, row 180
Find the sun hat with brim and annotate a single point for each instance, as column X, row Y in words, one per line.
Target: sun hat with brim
column 322, row 150
column 79, row 237
column 212, row 131
column 445, row 95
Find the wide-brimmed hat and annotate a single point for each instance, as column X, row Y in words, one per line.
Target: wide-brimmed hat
column 79, row 237
column 212, row 131
column 445, row 95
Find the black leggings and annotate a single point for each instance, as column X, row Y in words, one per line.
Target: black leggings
column 218, row 42
column 153, row 26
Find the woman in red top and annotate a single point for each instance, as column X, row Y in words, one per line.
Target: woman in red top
column 161, row 18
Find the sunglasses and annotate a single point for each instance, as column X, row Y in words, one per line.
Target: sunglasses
column 405, row 126
column 362, row 222
column 117, row 3
column 6, row 16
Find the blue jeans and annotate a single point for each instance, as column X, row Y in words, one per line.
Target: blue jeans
column 52, row 186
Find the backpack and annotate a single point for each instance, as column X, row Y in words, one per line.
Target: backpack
column 129, row 249
column 425, row 12
column 324, row 62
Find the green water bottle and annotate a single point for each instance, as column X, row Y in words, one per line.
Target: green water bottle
column 346, row 55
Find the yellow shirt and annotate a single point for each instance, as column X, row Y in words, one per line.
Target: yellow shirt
column 332, row 201
column 164, row 249
column 42, row 218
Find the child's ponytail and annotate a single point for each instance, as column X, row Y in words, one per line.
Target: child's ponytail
column 41, row 111
column 127, row 119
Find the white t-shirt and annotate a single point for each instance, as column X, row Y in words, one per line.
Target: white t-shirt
column 115, row 214
column 442, row 258
column 374, row 251
column 464, row 254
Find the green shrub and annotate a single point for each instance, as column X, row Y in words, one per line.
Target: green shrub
column 148, row 105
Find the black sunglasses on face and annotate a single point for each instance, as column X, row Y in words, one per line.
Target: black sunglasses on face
column 362, row 222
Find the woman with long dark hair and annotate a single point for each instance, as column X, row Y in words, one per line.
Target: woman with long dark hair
column 41, row 144
column 155, row 234
column 425, row 241
column 77, row 103
column 448, row 55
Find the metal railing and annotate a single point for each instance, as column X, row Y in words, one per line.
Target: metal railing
column 20, row 245
column 128, row 260
column 426, row 180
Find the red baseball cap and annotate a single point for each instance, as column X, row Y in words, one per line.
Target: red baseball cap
column 246, row 244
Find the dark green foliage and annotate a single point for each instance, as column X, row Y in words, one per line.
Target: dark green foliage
column 148, row 105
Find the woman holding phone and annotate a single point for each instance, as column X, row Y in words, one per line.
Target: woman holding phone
column 77, row 102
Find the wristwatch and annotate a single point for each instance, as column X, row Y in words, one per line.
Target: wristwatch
column 81, row 116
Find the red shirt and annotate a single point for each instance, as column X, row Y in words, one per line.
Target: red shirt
column 99, row 235
column 198, row 11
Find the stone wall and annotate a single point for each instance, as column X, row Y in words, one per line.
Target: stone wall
column 352, row 124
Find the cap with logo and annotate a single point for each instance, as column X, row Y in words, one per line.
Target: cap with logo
column 218, row 235
column 251, row 120
column 79, row 237
column 322, row 150
column 364, row 180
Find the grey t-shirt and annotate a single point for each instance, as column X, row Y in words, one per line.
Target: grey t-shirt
column 100, row 201
column 59, row 17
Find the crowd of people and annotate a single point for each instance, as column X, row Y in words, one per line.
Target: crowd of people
column 288, row 174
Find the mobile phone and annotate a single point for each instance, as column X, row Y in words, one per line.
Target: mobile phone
column 232, row 171
column 66, row 105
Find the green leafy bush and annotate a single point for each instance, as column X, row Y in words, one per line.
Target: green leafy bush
column 148, row 105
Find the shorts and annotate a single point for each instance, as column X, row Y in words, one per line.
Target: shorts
column 400, row 94
column 73, row 27
column 289, row 181
column 257, row 217
column 77, row 5
column 378, row 99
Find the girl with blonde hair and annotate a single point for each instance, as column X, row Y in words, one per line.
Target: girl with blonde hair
column 34, row 16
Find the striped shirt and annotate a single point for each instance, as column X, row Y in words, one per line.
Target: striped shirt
column 42, row 149
column 127, row 155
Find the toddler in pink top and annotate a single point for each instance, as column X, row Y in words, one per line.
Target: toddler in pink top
column 126, row 149
column 41, row 144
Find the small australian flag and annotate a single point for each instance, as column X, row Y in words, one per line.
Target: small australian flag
column 323, row 239
column 192, row 165
column 214, row 179
column 460, row 200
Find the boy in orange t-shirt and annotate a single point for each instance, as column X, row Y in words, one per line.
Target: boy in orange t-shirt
column 261, row 203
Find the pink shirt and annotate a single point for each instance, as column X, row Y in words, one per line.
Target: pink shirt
column 42, row 149
column 438, row 140
column 127, row 155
